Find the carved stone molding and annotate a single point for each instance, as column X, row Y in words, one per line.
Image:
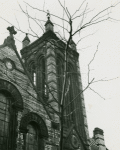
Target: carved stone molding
column 17, row 98
column 35, row 118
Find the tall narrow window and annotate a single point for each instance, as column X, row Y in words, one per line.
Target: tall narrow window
column 32, row 70
column 41, row 76
column 45, row 91
column 60, row 71
column 32, row 138
column 34, row 78
column 4, row 122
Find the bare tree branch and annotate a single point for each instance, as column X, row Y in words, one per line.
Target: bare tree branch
column 85, row 37
column 79, row 93
column 16, row 27
column 63, row 20
column 91, row 62
column 84, row 48
column 64, row 9
column 91, row 22
column 78, row 8
column 103, row 80
column 17, row 22
column 96, row 93
column 83, row 17
column 82, row 14
column 46, row 12
column 34, row 19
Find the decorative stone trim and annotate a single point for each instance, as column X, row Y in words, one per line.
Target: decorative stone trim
column 17, row 101
column 33, row 117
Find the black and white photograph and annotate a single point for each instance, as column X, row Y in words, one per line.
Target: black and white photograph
column 59, row 74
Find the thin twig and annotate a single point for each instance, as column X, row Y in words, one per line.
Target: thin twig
column 85, row 37
column 92, row 61
column 78, row 8
column 63, row 8
column 103, row 80
column 46, row 12
column 16, row 27
column 96, row 93
column 79, row 93
column 91, row 22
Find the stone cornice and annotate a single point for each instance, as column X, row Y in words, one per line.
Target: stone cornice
column 45, row 38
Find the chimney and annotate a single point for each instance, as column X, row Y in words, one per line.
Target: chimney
column 99, row 138
column 25, row 41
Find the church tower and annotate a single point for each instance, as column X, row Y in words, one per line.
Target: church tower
column 26, row 122
column 44, row 60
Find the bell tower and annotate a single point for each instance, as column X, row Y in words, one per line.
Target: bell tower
column 44, row 59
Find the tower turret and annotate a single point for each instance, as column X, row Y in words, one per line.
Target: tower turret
column 26, row 41
column 49, row 25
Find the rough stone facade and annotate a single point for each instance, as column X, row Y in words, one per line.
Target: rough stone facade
column 27, row 117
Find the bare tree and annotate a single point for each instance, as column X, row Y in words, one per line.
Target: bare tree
column 69, row 30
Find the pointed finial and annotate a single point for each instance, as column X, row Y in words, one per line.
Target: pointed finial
column 48, row 14
column 26, row 38
column 48, row 25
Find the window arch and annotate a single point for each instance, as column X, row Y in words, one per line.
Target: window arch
column 32, row 137
column 33, row 128
column 10, row 103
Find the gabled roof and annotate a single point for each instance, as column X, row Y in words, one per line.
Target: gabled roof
column 49, row 35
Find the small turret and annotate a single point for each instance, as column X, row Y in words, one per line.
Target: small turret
column 99, row 137
column 49, row 25
column 26, row 41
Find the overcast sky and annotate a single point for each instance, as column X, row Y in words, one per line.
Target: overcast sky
column 103, row 110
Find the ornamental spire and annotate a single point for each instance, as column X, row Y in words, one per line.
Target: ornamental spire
column 48, row 25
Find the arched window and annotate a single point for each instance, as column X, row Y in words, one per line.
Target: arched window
column 41, row 76
column 70, row 94
column 34, row 131
column 10, row 103
column 32, row 71
column 7, row 122
column 60, row 71
column 32, row 139
column 4, row 121
column 70, row 89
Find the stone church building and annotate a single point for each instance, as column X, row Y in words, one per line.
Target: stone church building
column 29, row 120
